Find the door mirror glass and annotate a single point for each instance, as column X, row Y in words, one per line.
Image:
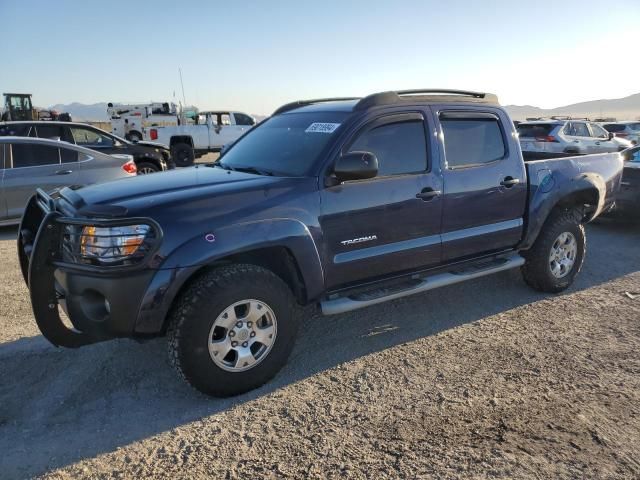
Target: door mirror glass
column 356, row 166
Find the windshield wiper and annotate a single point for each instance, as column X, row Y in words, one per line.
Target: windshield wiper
column 255, row 170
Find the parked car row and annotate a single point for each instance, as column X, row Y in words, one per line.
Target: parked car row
column 29, row 163
column 628, row 130
column 578, row 137
column 149, row 157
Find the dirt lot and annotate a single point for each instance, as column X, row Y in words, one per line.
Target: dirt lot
column 484, row 379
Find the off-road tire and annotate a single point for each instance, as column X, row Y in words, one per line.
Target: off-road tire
column 147, row 166
column 195, row 311
column 183, row 154
column 537, row 270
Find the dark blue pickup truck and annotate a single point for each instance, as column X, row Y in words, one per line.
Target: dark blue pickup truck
column 342, row 202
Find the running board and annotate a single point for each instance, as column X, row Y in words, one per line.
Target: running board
column 373, row 297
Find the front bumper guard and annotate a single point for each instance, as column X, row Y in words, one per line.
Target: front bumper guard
column 38, row 247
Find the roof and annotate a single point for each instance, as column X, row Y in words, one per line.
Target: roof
column 47, row 122
column 420, row 96
column 47, row 141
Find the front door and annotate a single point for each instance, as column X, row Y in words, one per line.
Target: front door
column 485, row 185
column 390, row 223
column 35, row 166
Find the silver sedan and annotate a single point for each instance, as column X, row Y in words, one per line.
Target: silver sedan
column 30, row 163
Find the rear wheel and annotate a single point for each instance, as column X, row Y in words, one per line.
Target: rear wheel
column 232, row 330
column 144, row 168
column 134, row 136
column 557, row 254
column 183, row 154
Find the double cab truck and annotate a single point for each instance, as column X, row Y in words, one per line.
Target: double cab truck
column 211, row 132
column 345, row 203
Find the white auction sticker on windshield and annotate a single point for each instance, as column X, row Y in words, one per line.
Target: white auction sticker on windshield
column 322, row 128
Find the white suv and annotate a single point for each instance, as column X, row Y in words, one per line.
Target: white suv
column 568, row 136
column 627, row 130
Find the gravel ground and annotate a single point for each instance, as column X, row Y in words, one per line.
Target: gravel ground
column 483, row 379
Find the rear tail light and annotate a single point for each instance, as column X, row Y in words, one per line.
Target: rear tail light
column 154, row 134
column 621, row 135
column 130, row 167
column 547, row 138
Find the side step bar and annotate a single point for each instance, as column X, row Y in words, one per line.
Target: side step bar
column 353, row 302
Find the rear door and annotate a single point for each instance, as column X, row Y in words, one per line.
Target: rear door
column 485, row 184
column 34, row 166
column 384, row 225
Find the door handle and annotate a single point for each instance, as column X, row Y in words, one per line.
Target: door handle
column 64, row 172
column 597, row 143
column 428, row 194
column 509, row 182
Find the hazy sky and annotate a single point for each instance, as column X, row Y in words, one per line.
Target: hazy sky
column 253, row 56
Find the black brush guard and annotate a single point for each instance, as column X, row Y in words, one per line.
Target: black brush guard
column 40, row 253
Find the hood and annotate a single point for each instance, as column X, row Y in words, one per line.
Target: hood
column 186, row 182
column 152, row 145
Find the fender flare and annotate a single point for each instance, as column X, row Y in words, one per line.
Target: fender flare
column 200, row 252
column 544, row 200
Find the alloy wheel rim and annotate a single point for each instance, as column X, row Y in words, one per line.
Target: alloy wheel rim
column 242, row 335
column 562, row 257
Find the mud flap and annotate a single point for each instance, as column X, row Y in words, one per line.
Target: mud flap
column 36, row 261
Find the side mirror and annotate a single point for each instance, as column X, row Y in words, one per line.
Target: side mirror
column 356, row 166
column 611, row 135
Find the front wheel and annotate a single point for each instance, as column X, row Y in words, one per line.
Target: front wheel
column 557, row 254
column 232, row 330
column 145, row 168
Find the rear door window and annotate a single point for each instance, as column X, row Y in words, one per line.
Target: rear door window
column 52, row 132
column 28, row 155
column 472, row 140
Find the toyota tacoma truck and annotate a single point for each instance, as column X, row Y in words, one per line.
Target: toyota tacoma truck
column 345, row 203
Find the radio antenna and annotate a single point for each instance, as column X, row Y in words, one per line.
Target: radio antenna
column 182, row 85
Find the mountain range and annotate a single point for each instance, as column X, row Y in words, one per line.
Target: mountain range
column 627, row 108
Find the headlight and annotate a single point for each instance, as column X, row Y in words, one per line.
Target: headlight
column 112, row 244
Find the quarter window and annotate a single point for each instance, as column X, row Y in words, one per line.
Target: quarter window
column 399, row 147
column 26, row 155
column 472, row 141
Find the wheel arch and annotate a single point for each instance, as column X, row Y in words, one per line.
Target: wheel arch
column 292, row 256
column 586, row 193
column 177, row 139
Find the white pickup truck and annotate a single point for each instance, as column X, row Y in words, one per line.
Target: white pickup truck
column 210, row 133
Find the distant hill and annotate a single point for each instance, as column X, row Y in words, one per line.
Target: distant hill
column 627, row 108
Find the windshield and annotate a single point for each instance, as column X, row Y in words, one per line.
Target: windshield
column 287, row 144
